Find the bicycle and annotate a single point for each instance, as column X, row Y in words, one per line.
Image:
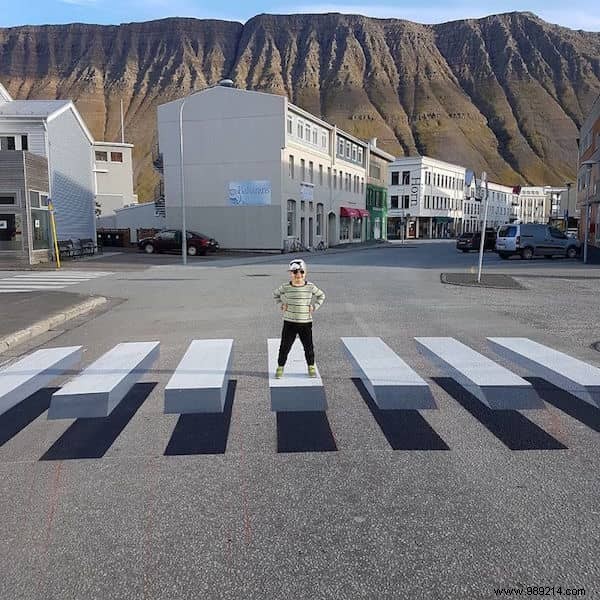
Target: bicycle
column 320, row 247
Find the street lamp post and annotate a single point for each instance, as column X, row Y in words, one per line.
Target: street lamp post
column 566, row 212
column 485, row 212
column 589, row 164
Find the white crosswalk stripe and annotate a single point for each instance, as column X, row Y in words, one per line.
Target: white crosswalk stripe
column 52, row 280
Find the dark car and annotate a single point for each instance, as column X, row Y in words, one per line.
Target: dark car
column 169, row 240
column 471, row 241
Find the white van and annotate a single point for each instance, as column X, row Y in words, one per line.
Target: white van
column 534, row 239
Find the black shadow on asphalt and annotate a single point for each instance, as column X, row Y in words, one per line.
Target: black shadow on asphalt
column 571, row 405
column 203, row 433
column 509, row 426
column 91, row 438
column 306, row 431
column 19, row 416
column 403, row 429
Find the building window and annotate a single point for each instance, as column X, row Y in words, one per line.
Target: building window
column 405, row 201
column 341, row 147
column 116, row 157
column 302, row 169
column 300, row 130
column 324, row 140
column 320, row 174
column 354, row 153
column 394, row 177
column 14, row 142
column 8, row 200
column 291, row 163
column 360, row 156
column 374, row 170
column 394, row 201
column 101, row 156
column 362, row 185
column 315, row 137
column 329, row 177
column 291, row 217
column 311, row 175
column 11, row 231
column 344, row 228
column 34, row 199
column 348, row 149
column 405, row 177
column 319, row 219
column 307, row 132
column 357, row 229
column 289, row 125
column 335, row 179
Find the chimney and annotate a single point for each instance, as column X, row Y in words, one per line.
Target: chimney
column 373, row 142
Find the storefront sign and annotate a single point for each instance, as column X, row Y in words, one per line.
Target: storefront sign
column 307, row 191
column 249, row 193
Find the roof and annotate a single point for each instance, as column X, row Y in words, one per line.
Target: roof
column 46, row 110
column 381, row 153
column 113, row 144
column 40, row 109
column 4, row 95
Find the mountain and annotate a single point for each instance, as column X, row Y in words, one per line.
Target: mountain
column 506, row 93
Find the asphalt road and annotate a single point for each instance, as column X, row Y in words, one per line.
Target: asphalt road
column 357, row 503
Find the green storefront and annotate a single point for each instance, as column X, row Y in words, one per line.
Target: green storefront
column 377, row 207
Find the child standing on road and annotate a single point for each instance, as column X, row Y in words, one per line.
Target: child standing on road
column 298, row 300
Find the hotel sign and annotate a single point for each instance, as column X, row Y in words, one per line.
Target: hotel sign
column 249, row 193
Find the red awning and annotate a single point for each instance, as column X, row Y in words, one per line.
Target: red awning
column 363, row 212
column 350, row 212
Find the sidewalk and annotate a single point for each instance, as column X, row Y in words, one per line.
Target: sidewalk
column 25, row 315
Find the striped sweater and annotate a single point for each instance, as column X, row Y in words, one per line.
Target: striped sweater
column 298, row 300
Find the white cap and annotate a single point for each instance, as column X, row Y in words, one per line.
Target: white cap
column 297, row 263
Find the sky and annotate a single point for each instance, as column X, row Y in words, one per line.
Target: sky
column 581, row 14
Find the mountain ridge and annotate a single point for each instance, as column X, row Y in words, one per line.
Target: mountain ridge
column 504, row 93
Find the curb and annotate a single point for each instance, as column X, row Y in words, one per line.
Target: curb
column 483, row 285
column 13, row 339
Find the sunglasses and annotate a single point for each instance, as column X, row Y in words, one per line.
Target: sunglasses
column 296, row 271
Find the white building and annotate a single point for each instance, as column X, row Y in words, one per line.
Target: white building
column 502, row 205
column 261, row 172
column 54, row 131
column 113, row 175
column 425, row 198
column 534, row 205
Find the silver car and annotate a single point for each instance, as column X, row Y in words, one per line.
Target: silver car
column 534, row 239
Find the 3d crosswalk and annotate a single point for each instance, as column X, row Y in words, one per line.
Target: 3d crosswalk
column 199, row 383
column 50, row 280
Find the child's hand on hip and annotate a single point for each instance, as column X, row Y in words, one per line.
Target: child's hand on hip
column 284, row 307
column 311, row 308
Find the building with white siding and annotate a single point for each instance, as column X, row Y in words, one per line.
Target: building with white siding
column 54, row 130
column 425, row 198
column 113, row 176
column 502, row 205
column 261, row 173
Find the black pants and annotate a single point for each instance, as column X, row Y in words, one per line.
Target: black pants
column 288, row 335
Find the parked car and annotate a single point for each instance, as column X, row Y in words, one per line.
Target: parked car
column 169, row 240
column 471, row 241
column 535, row 239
